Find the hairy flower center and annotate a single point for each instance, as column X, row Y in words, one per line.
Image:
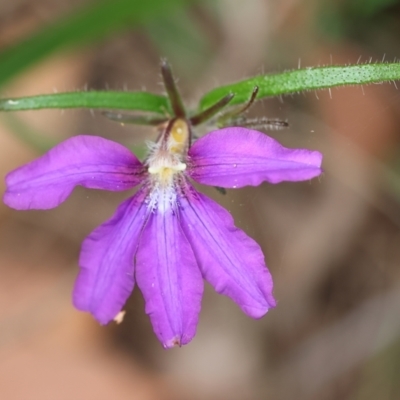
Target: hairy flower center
column 168, row 156
column 166, row 171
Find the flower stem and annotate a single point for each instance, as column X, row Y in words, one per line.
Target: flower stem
column 312, row 78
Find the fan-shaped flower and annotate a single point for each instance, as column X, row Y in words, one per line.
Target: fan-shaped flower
column 168, row 236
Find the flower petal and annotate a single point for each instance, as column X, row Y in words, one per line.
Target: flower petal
column 168, row 275
column 230, row 260
column 236, row 157
column 106, row 278
column 89, row 161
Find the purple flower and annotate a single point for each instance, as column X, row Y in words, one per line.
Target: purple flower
column 168, row 236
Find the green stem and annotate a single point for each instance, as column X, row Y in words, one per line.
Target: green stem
column 304, row 79
column 140, row 101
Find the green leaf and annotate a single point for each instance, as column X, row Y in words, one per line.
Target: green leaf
column 303, row 79
column 81, row 27
column 140, row 101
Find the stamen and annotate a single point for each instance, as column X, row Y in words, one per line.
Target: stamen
column 181, row 167
column 155, row 170
column 179, row 136
column 162, row 168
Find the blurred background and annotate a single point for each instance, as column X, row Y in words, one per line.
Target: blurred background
column 332, row 244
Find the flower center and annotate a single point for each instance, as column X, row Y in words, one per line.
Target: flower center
column 164, row 171
column 169, row 153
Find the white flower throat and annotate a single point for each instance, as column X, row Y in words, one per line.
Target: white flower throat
column 168, row 155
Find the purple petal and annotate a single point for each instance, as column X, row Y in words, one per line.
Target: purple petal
column 106, row 278
column 236, row 157
column 168, row 275
column 230, row 260
column 89, row 161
